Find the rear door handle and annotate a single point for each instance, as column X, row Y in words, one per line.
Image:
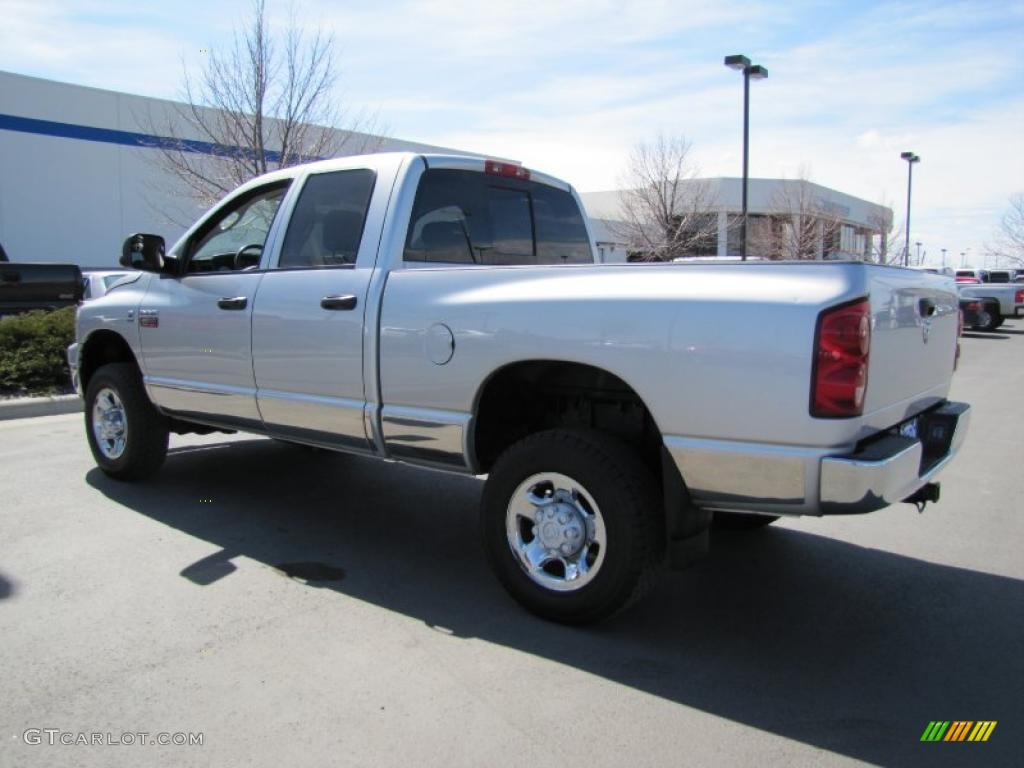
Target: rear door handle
column 348, row 301
column 236, row 302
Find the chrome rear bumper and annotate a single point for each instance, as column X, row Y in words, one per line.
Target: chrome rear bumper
column 890, row 469
column 793, row 480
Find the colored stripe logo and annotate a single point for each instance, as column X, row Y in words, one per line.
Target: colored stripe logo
column 958, row 730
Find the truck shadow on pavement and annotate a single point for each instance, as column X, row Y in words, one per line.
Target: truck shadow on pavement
column 985, row 336
column 844, row 648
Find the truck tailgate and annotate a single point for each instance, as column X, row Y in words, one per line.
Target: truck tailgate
column 913, row 342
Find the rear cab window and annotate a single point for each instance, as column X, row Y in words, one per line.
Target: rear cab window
column 468, row 217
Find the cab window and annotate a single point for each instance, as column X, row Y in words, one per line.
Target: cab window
column 233, row 240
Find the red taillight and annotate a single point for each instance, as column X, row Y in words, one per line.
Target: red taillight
column 841, row 347
column 1018, row 297
column 508, row 170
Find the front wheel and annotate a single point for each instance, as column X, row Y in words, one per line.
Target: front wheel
column 127, row 434
column 573, row 525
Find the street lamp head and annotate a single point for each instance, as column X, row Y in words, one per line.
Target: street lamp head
column 910, row 157
column 757, row 72
column 737, row 62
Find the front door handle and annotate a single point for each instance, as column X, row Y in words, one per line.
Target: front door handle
column 348, row 301
column 236, row 302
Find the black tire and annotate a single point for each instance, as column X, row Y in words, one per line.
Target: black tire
column 146, row 429
column 629, row 501
column 988, row 317
column 738, row 521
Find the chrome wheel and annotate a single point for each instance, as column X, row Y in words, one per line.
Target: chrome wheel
column 555, row 531
column 109, row 423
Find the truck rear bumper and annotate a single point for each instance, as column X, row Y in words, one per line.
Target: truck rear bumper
column 788, row 480
column 891, row 468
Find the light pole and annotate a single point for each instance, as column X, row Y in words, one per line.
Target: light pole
column 757, row 72
column 943, row 258
column 911, row 158
column 918, row 259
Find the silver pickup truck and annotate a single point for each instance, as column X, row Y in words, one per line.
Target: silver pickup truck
column 447, row 312
column 988, row 305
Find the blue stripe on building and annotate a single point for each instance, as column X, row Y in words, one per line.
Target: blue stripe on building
column 124, row 138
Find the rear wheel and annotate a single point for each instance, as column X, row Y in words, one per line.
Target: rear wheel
column 738, row 521
column 573, row 525
column 988, row 318
column 127, row 434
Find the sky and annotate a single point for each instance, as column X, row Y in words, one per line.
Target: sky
column 568, row 87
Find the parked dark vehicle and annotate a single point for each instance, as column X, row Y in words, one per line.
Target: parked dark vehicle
column 28, row 286
column 1000, row 275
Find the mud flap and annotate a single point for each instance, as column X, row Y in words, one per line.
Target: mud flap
column 687, row 528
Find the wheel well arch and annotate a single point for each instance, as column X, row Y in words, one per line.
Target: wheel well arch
column 100, row 348
column 528, row 396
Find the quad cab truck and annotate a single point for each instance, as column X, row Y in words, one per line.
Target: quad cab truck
column 447, row 312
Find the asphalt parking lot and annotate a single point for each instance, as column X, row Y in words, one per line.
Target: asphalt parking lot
column 312, row 609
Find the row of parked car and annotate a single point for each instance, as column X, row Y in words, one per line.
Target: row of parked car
column 976, row 276
column 987, row 296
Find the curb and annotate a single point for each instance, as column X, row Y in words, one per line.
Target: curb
column 27, row 407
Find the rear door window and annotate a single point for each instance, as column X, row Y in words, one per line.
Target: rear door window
column 466, row 217
column 326, row 226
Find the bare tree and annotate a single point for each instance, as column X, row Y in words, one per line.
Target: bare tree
column 801, row 225
column 1009, row 239
column 665, row 211
column 264, row 104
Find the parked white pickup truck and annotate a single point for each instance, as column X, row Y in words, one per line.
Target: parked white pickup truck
column 447, row 312
column 992, row 303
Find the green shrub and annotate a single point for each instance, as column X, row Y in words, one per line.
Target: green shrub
column 32, row 352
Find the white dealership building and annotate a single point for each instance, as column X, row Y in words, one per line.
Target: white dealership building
column 843, row 226
column 79, row 171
